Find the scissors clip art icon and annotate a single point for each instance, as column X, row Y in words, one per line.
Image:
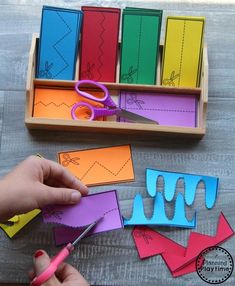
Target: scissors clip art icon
column 110, row 107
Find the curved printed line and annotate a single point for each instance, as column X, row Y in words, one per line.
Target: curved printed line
column 60, row 40
column 101, row 46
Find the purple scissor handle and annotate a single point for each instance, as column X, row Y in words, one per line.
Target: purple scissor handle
column 110, row 106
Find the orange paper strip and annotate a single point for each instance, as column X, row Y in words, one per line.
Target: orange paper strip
column 100, row 166
column 57, row 103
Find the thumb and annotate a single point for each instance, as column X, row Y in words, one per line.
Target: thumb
column 50, row 195
column 41, row 262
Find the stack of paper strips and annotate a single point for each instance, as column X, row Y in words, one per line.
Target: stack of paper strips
column 179, row 259
column 140, row 45
column 99, row 166
column 57, row 103
column 99, row 44
column 166, row 109
column 58, row 43
column 159, row 216
column 88, row 210
column 183, row 51
column 19, row 221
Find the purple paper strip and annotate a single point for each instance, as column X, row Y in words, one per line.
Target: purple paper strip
column 88, row 210
column 166, row 109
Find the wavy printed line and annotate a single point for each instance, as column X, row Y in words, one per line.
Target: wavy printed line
column 101, row 46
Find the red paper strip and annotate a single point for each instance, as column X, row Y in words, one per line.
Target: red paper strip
column 180, row 260
column 99, row 44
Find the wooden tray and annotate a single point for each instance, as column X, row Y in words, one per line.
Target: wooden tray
column 114, row 126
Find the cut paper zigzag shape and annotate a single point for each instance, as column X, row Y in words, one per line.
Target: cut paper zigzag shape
column 89, row 209
column 170, row 180
column 19, row 222
column 190, row 185
column 159, row 216
column 180, row 260
column 99, row 166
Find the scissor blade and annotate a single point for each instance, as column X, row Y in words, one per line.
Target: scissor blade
column 136, row 117
column 86, row 231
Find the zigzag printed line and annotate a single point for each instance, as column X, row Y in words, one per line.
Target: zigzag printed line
column 52, row 103
column 101, row 46
column 60, row 40
column 97, row 163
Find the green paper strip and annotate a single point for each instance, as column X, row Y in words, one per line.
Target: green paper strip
column 140, row 45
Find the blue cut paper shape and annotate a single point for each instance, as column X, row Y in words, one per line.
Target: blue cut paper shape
column 190, row 185
column 159, row 217
column 58, row 43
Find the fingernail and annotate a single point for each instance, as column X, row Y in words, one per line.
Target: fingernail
column 86, row 189
column 38, row 253
column 75, row 197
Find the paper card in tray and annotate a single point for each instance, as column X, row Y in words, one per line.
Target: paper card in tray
column 99, row 44
column 59, row 37
column 166, row 109
column 140, row 45
column 99, row 166
column 57, row 103
column 182, row 56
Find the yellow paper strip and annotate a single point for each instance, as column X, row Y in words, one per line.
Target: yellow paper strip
column 183, row 51
column 19, row 222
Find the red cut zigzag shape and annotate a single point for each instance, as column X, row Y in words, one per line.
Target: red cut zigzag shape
column 180, row 260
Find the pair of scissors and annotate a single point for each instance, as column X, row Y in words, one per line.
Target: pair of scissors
column 110, row 107
column 60, row 257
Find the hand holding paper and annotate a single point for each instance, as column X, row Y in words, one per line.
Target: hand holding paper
column 89, row 209
column 37, row 182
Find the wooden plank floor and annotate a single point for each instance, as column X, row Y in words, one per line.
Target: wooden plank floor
column 111, row 258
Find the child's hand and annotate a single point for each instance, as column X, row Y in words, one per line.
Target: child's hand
column 65, row 275
column 37, row 182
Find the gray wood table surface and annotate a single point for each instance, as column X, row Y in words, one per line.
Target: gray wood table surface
column 111, row 258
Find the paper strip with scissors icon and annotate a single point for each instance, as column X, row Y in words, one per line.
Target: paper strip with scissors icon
column 99, row 166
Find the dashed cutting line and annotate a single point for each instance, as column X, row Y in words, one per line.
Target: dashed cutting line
column 60, row 40
column 181, row 53
column 99, row 164
column 101, row 46
column 139, row 41
column 53, row 103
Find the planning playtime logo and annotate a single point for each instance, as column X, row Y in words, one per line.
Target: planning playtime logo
column 214, row 265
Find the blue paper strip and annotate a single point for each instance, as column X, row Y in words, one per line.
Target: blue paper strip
column 58, row 43
column 190, row 184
